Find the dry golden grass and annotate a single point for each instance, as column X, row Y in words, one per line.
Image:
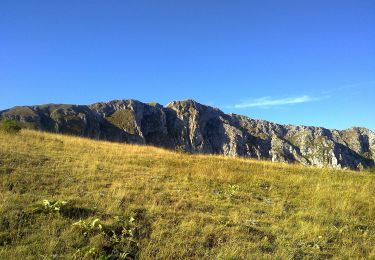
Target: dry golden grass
column 185, row 206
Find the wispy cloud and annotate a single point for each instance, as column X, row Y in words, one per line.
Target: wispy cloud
column 266, row 102
column 358, row 86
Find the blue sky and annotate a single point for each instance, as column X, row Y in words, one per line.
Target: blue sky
column 298, row 62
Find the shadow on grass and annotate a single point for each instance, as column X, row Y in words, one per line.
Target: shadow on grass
column 63, row 208
column 6, row 170
column 74, row 212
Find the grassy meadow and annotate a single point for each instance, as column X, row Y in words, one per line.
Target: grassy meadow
column 64, row 197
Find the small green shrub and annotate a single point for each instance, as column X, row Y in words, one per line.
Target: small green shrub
column 9, row 126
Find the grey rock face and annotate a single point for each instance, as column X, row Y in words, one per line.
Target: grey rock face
column 196, row 128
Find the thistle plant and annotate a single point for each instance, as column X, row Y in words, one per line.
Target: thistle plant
column 89, row 227
column 121, row 238
column 48, row 207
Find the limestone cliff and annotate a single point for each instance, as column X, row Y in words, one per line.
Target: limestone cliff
column 196, row 128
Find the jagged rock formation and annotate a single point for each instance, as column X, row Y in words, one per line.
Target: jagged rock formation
column 196, row 128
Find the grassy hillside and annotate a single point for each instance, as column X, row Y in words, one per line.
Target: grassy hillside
column 72, row 197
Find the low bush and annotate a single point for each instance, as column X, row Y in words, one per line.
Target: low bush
column 9, row 126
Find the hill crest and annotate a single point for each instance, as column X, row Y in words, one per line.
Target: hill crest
column 196, row 128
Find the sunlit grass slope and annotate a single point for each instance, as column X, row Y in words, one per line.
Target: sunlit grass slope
column 149, row 203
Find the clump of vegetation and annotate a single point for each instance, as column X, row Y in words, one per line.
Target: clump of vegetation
column 48, row 207
column 119, row 240
column 9, row 126
column 230, row 191
column 88, row 227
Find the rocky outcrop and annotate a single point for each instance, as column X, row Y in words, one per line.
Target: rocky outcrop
column 196, row 128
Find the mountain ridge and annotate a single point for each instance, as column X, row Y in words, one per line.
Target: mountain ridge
column 193, row 127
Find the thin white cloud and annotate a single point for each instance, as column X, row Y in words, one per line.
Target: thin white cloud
column 358, row 85
column 266, row 102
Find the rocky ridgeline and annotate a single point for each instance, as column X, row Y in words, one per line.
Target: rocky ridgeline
column 196, row 128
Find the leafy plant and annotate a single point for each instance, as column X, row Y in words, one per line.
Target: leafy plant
column 228, row 192
column 120, row 240
column 232, row 190
column 90, row 252
column 88, row 227
column 48, row 207
column 123, row 240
